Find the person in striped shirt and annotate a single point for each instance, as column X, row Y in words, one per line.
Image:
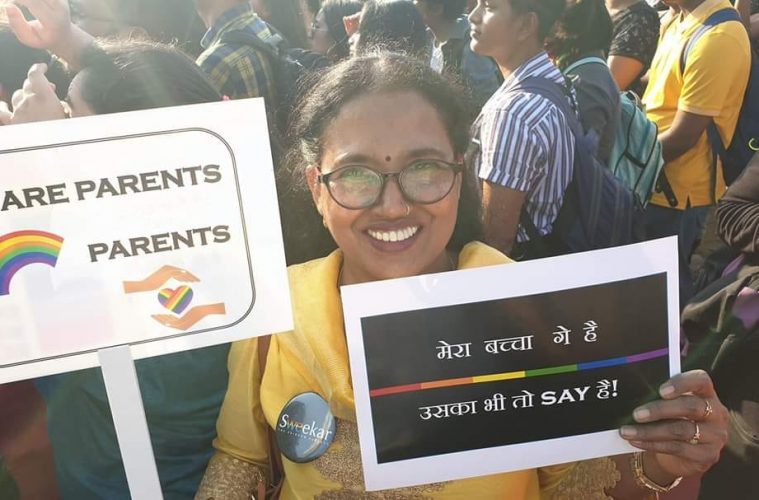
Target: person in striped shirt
column 526, row 147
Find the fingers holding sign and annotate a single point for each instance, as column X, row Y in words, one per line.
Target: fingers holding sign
column 686, row 429
column 36, row 100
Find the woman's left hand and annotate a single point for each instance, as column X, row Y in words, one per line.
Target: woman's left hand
column 686, row 429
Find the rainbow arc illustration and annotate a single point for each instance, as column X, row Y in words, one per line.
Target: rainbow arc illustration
column 24, row 248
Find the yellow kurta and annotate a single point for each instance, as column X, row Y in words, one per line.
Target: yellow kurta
column 314, row 358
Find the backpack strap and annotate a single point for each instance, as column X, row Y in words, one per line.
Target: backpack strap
column 717, row 18
column 276, row 468
column 561, row 97
column 583, row 62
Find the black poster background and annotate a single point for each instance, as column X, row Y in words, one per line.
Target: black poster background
column 400, row 349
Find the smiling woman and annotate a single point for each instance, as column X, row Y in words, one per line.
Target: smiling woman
column 379, row 143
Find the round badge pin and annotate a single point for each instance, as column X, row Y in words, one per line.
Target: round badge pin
column 305, row 428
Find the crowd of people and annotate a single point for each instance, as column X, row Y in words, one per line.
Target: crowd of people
column 413, row 137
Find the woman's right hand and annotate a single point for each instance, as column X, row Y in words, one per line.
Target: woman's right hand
column 36, row 101
column 51, row 29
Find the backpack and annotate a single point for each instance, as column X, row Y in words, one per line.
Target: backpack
column 745, row 143
column 290, row 68
column 598, row 210
column 636, row 156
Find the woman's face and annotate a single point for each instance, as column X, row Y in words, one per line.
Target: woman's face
column 387, row 132
column 318, row 34
column 496, row 29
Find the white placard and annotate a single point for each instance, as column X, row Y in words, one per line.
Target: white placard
column 158, row 229
column 652, row 265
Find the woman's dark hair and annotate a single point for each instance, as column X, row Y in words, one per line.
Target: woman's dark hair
column 286, row 17
column 305, row 236
column 119, row 76
column 548, row 12
column 584, row 27
column 393, row 26
column 334, row 11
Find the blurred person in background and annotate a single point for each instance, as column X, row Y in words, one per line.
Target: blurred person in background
column 171, row 21
column 451, row 53
column 578, row 46
column 392, row 26
column 181, row 392
column 327, row 33
column 285, row 16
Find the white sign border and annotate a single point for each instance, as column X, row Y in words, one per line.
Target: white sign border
column 272, row 309
column 497, row 282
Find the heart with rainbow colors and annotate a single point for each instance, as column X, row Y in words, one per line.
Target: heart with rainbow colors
column 176, row 300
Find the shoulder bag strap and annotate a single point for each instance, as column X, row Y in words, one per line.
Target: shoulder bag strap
column 583, row 62
column 276, row 468
column 719, row 17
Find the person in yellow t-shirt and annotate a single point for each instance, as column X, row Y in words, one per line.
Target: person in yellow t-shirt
column 380, row 143
column 683, row 104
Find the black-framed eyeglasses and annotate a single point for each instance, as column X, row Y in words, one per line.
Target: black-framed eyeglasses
column 358, row 186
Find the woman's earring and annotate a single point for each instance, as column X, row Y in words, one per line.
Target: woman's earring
column 324, row 222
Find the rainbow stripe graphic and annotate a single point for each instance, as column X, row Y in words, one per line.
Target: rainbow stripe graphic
column 24, row 248
column 541, row 372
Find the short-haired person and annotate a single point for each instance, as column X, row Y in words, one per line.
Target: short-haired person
column 526, row 147
column 683, row 103
column 451, row 51
column 584, row 31
column 394, row 26
column 398, row 202
column 327, row 32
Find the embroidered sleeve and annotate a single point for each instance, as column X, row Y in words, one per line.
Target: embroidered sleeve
column 229, row 478
column 589, row 480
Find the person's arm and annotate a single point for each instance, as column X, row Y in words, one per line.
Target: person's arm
column 624, row 70
column 632, row 49
column 683, row 135
column 51, row 30
column 509, row 167
column 710, row 78
column 738, row 211
column 501, row 211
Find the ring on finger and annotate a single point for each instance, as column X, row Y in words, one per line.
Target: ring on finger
column 696, row 435
column 708, row 410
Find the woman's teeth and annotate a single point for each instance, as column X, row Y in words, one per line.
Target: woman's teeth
column 398, row 235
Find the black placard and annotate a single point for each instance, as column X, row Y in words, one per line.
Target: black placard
column 600, row 367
